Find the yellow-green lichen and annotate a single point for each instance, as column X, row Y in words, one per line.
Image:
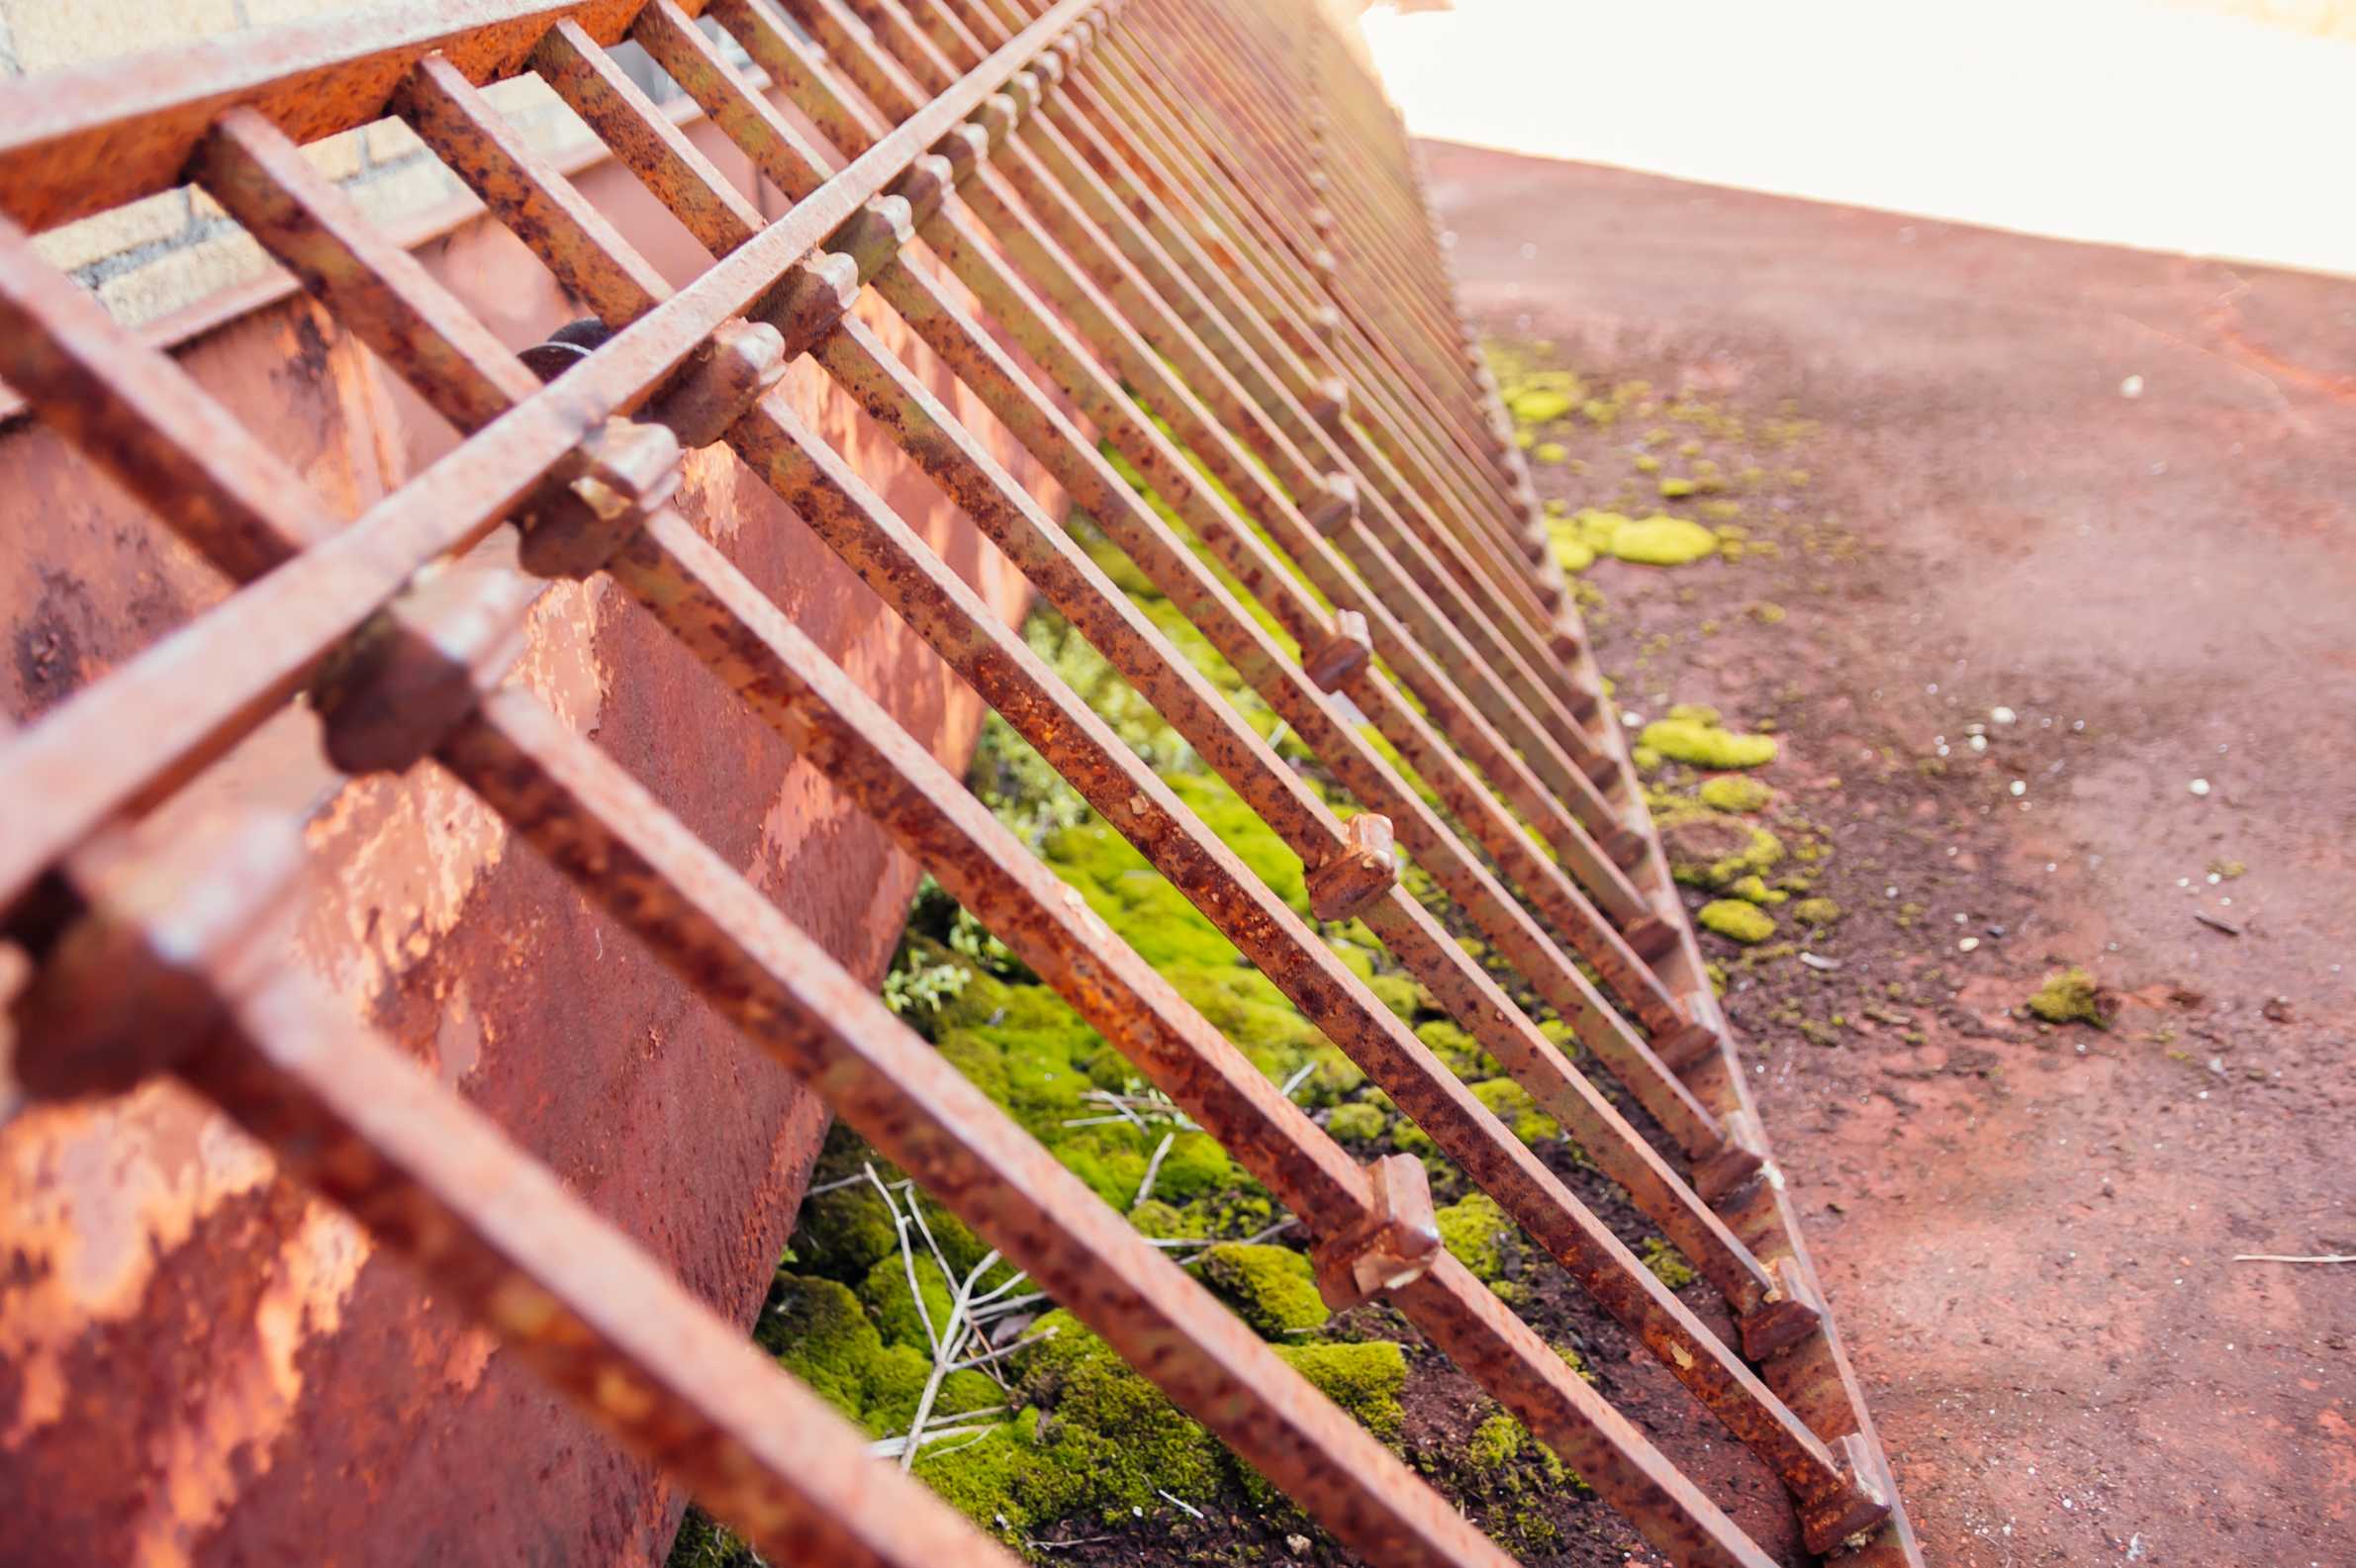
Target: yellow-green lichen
column 1815, row 912
column 1687, row 738
column 1668, row 1265
column 1734, row 919
column 1549, row 452
column 1673, row 487
column 1734, row 792
column 2070, row 996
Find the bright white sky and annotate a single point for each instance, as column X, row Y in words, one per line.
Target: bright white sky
column 2127, row 121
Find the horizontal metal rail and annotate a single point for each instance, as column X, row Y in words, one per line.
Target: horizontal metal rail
column 1193, row 224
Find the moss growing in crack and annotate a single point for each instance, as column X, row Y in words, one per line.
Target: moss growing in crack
column 1734, row 792
column 1271, row 1288
column 1356, row 1123
column 1705, row 743
column 1480, row 1236
column 1735, row 920
column 2070, row 996
column 1668, row 1265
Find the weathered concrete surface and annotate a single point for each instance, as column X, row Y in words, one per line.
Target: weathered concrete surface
column 200, row 1365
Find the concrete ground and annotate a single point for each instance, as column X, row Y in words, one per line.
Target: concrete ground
column 2110, row 493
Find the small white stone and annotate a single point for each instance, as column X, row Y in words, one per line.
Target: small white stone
column 2003, row 715
column 2019, row 788
column 1968, row 944
column 2199, row 787
column 2133, row 386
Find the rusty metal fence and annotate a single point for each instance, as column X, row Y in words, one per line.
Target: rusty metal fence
column 1194, row 235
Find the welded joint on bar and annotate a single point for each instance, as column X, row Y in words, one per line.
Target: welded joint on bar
column 815, row 294
column 411, row 672
column 1333, row 509
column 1339, row 659
column 1741, row 1157
column 1623, row 844
column 1361, row 870
column 1649, row 938
column 1697, row 1040
column 1392, row 1244
column 626, row 470
column 1331, row 407
column 1870, row 1468
column 1789, row 1315
column 1847, row 1518
column 731, row 372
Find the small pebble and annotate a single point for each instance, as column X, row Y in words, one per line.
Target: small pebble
column 2199, row 787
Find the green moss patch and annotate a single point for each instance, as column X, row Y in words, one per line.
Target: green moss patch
column 1734, row 919
column 1480, row 1236
column 1271, row 1288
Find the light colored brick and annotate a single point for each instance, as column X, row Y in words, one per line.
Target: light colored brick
column 405, row 192
column 110, row 233
column 390, row 140
column 337, row 156
column 50, row 33
column 182, row 277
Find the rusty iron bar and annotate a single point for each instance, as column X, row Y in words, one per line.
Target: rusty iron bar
column 1040, row 256
column 1206, row 227
column 795, row 689
column 126, row 743
column 626, row 853
column 1171, row 165
column 1064, row 139
column 1375, row 540
column 1135, row 647
column 186, row 973
column 1462, row 582
column 722, row 936
column 841, row 509
column 601, row 489
column 550, row 788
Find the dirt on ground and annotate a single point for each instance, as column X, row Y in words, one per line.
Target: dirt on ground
column 2059, row 643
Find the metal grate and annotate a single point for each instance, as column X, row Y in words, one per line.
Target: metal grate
column 1199, row 222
